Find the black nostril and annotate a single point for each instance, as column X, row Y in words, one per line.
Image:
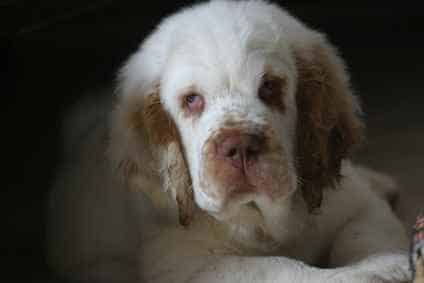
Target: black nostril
column 255, row 146
column 232, row 152
column 252, row 152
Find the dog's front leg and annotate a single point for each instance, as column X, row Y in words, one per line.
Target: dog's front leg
column 230, row 269
column 376, row 239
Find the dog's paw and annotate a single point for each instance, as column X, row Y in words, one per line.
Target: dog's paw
column 417, row 251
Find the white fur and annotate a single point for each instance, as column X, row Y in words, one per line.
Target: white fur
column 100, row 230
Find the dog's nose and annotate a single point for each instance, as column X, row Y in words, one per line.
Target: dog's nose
column 241, row 150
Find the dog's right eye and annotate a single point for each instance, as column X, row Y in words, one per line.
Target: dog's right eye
column 193, row 103
column 271, row 91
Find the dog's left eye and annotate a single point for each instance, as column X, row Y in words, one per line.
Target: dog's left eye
column 268, row 88
column 270, row 91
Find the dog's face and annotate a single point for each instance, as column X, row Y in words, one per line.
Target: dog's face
column 236, row 121
column 234, row 111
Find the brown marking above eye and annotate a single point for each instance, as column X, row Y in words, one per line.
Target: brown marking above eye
column 271, row 91
column 193, row 103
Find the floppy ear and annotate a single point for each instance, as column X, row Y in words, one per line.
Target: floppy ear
column 144, row 145
column 328, row 124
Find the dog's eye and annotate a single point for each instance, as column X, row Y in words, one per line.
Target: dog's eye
column 193, row 102
column 270, row 91
column 269, row 88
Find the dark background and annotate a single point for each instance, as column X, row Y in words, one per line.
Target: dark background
column 54, row 51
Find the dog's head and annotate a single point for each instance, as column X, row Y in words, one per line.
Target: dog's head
column 231, row 103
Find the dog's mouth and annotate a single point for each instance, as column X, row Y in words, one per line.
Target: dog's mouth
column 236, row 177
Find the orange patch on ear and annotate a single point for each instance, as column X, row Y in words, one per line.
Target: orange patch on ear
column 185, row 202
column 154, row 124
column 159, row 127
column 128, row 167
column 328, row 125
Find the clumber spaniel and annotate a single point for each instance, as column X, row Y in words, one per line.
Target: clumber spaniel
column 224, row 159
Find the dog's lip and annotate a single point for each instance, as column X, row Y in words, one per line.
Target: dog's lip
column 245, row 188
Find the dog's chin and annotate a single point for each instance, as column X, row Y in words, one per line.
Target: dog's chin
column 246, row 225
column 241, row 202
column 232, row 207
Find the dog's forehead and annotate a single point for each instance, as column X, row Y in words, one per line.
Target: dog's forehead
column 213, row 71
column 210, row 76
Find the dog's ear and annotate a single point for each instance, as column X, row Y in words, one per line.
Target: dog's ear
column 328, row 124
column 144, row 145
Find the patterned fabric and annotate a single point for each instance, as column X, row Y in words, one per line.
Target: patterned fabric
column 417, row 250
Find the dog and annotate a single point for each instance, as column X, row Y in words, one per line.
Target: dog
column 224, row 157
